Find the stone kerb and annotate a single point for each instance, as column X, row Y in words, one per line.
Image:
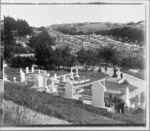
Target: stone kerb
column 69, row 90
column 98, row 94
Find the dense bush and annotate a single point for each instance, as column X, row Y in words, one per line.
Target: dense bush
column 22, row 62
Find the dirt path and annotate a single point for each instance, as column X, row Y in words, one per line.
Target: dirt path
column 19, row 115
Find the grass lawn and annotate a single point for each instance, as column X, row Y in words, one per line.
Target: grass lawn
column 70, row 110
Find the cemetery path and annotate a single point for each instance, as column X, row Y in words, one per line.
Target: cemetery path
column 140, row 83
column 132, row 94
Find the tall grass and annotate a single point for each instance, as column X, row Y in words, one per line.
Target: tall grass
column 70, row 110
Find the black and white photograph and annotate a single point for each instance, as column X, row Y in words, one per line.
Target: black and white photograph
column 74, row 64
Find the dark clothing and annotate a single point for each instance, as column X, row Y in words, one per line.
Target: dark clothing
column 105, row 69
column 119, row 104
column 121, row 75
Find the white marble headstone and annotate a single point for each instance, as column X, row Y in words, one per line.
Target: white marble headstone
column 27, row 69
column 127, row 97
column 119, row 74
column 98, row 94
column 32, row 69
column 22, row 76
column 55, row 77
column 69, row 90
column 71, row 75
column 40, row 81
column 64, row 79
column 14, row 79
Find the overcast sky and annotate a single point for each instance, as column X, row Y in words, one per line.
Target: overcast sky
column 45, row 15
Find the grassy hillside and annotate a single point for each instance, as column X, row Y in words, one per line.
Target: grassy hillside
column 93, row 27
column 70, row 110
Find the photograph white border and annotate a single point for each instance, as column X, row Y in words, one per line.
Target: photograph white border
column 146, row 3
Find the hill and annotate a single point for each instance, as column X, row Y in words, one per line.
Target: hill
column 93, row 27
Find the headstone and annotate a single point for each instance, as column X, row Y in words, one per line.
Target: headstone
column 77, row 73
column 14, row 79
column 71, row 75
column 22, row 75
column 48, row 84
column 40, row 81
column 44, row 72
column 127, row 97
column 48, row 74
column 55, row 77
column 64, row 79
column 39, row 71
column 98, row 94
column 27, row 69
column 119, row 74
column 32, row 69
column 53, row 88
column 69, row 90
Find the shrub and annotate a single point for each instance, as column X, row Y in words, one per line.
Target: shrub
column 126, row 82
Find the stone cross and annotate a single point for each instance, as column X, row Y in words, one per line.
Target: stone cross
column 69, row 90
column 98, row 94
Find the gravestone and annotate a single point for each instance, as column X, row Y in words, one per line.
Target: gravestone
column 71, row 75
column 127, row 97
column 32, row 69
column 119, row 74
column 53, row 88
column 39, row 71
column 22, row 76
column 14, row 79
column 69, row 90
column 77, row 73
column 64, row 79
column 27, row 69
column 48, row 84
column 98, row 94
column 55, row 77
column 40, row 81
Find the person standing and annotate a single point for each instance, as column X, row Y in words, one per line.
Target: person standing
column 105, row 69
column 121, row 75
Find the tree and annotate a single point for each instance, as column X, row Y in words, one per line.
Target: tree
column 67, row 58
column 57, row 58
column 42, row 46
column 23, row 28
column 9, row 29
column 82, row 56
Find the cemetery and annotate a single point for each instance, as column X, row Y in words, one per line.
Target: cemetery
column 81, row 87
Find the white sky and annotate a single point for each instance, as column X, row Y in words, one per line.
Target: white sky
column 45, row 15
